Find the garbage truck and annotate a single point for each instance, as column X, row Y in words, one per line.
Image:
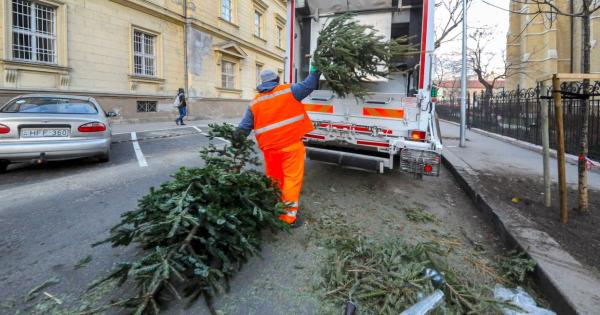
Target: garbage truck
column 394, row 126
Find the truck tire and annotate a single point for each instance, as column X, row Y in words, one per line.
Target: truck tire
column 3, row 166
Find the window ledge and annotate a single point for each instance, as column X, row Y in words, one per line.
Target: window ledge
column 222, row 89
column 260, row 38
column 34, row 66
column 229, row 22
column 145, row 79
column 280, row 48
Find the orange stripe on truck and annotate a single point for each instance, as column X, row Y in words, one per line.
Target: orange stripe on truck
column 383, row 112
column 318, row 108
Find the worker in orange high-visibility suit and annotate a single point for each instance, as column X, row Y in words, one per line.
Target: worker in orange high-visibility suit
column 279, row 122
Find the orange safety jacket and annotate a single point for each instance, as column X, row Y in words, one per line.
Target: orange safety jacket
column 279, row 118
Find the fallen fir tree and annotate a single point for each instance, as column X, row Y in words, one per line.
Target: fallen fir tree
column 349, row 54
column 198, row 229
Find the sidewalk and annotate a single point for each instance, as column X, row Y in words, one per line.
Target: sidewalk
column 120, row 128
column 485, row 154
column 505, row 182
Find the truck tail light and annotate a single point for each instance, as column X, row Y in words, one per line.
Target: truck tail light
column 417, row 135
column 428, row 168
column 92, row 127
column 4, row 129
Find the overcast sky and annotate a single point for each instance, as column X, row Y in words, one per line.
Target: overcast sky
column 480, row 14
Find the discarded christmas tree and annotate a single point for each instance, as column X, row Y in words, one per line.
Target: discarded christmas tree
column 349, row 53
column 197, row 229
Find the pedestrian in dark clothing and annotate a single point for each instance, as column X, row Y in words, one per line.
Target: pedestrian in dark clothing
column 181, row 105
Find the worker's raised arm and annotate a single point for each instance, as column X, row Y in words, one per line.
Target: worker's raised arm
column 304, row 88
column 247, row 123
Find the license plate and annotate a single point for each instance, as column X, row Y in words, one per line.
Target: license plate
column 45, row 133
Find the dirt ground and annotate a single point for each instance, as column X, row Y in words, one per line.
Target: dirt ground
column 287, row 278
column 580, row 237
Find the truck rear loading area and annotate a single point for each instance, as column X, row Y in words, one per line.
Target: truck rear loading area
column 394, row 126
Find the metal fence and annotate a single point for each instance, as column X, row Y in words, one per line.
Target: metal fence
column 516, row 114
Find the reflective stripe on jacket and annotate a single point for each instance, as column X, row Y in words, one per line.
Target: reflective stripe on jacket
column 279, row 119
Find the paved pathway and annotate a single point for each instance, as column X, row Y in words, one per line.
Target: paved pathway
column 485, row 154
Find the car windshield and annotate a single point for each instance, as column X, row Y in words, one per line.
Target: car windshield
column 49, row 105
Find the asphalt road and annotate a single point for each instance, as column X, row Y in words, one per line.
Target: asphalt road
column 50, row 214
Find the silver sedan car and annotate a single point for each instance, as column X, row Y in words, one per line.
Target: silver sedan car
column 47, row 127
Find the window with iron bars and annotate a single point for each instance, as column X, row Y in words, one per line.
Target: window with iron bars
column 146, row 106
column 227, row 75
column 33, row 31
column 144, row 54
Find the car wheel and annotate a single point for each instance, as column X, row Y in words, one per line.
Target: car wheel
column 104, row 158
column 3, row 166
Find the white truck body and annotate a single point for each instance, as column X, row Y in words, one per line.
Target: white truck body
column 396, row 123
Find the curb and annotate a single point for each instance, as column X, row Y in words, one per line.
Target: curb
column 569, row 287
column 570, row 158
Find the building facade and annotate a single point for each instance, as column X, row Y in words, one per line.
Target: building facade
column 133, row 55
column 543, row 44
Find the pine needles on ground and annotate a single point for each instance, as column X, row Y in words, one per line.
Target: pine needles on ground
column 197, row 229
column 387, row 277
column 418, row 214
column 349, row 53
column 515, row 266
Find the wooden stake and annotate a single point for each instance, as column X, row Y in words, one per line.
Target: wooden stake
column 546, row 154
column 560, row 152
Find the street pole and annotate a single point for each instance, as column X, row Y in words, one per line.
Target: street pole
column 463, row 92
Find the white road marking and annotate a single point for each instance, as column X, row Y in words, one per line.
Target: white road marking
column 138, row 151
column 206, row 134
column 152, row 130
column 223, row 139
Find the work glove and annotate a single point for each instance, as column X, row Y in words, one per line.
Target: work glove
column 312, row 66
column 239, row 137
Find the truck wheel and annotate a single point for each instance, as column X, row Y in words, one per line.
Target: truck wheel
column 104, row 158
column 3, row 166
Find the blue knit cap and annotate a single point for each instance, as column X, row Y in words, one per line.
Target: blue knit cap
column 268, row 76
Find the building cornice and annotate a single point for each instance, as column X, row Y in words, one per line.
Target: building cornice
column 228, row 36
column 153, row 9
column 18, row 91
column 34, row 66
column 163, row 13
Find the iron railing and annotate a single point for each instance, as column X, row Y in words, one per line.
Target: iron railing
column 516, row 114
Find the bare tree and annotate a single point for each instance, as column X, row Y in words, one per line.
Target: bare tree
column 447, row 69
column 452, row 8
column 585, row 11
column 481, row 59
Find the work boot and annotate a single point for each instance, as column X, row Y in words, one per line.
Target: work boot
column 298, row 223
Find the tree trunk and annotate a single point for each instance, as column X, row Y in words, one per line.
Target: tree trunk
column 583, row 150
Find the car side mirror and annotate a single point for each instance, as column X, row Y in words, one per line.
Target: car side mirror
column 111, row 114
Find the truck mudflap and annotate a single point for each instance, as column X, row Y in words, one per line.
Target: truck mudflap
column 420, row 162
column 419, row 158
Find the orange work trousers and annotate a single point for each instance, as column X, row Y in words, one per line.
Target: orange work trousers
column 286, row 168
